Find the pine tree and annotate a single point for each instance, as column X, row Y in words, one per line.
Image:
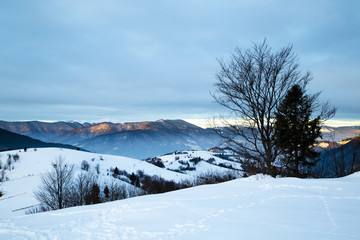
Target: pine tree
column 94, row 196
column 133, row 179
column 296, row 132
column 106, row 192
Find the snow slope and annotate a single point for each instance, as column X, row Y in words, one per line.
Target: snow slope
column 258, row 207
column 208, row 162
column 25, row 177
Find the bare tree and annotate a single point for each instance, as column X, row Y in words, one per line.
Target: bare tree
column 117, row 191
column 355, row 155
column 81, row 187
column 251, row 85
column 2, row 175
column 55, row 190
column 346, row 158
column 1, row 191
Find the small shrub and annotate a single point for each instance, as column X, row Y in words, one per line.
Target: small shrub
column 195, row 160
column 16, row 157
column 211, row 160
column 224, row 165
column 140, row 173
column 182, row 162
column 156, row 161
column 37, row 209
column 212, row 177
column 85, row 165
column 155, row 184
column 97, row 168
column 9, row 161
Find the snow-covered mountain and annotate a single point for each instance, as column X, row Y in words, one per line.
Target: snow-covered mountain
column 44, row 131
column 135, row 139
column 258, row 207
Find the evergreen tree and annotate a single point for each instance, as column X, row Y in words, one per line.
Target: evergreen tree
column 94, row 196
column 116, row 172
column 106, row 192
column 133, row 179
column 296, row 132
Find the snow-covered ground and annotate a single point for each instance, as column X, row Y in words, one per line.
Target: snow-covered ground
column 208, row 162
column 25, row 177
column 258, row 207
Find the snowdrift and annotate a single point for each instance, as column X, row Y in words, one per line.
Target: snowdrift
column 258, row 207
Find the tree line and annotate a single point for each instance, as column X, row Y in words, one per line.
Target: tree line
column 63, row 187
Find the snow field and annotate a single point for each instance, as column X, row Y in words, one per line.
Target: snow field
column 25, row 177
column 258, row 207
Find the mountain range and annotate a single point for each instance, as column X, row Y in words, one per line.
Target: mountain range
column 138, row 139
column 134, row 139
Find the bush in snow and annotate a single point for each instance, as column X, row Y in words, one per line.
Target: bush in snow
column 2, row 175
column 211, row 160
column 195, row 160
column 16, row 157
column 37, row 209
column 155, row 184
column 97, row 168
column 9, row 161
column 156, row 161
column 212, row 177
column 85, row 165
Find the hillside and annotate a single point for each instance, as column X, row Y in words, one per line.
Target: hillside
column 196, row 162
column 341, row 160
column 10, row 140
column 257, row 207
column 23, row 174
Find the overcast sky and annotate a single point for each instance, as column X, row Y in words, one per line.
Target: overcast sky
column 146, row 60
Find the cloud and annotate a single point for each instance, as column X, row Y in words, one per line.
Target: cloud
column 103, row 59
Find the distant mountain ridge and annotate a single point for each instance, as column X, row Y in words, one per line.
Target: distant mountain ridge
column 134, row 139
column 44, row 131
column 10, row 140
column 340, row 133
column 138, row 139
